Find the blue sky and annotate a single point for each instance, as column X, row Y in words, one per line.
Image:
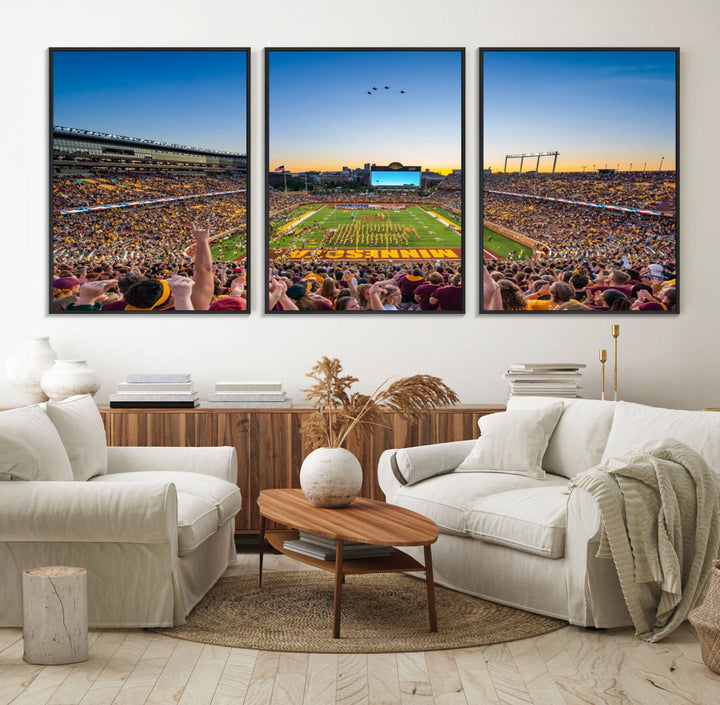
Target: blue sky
column 594, row 107
column 321, row 116
column 194, row 98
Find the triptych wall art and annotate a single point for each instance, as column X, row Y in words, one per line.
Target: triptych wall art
column 364, row 181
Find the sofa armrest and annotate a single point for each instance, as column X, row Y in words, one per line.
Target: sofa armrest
column 594, row 594
column 583, row 518
column 88, row 512
column 219, row 462
column 406, row 466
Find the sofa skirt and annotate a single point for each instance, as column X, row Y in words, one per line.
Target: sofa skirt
column 129, row 584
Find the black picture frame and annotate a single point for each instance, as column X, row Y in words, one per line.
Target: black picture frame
column 622, row 75
column 223, row 159
column 269, row 167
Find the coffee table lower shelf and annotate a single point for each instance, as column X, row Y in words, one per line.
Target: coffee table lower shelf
column 396, row 562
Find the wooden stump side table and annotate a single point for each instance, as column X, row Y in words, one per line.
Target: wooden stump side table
column 55, row 623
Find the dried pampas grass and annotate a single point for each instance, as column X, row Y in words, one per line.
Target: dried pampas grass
column 338, row 410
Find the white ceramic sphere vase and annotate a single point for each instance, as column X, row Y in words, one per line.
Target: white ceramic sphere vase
column 66, row 378
column 331, row 477
column 26, row 365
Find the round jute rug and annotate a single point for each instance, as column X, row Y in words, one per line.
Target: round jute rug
column 380, row 613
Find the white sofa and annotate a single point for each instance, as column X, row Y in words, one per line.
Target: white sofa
column 528, row 542
column 154, row 527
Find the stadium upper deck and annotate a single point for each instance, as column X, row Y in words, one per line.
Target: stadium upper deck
column 73, row 148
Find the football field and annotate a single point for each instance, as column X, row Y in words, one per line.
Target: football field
column 326, row 226
column 502, row 246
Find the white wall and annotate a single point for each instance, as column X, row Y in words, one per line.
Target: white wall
column 668, row 361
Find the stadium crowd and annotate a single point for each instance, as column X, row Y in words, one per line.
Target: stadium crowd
column 149, row 257
column 653, row 190
column 333, row 285
column 586, row 258
column 114, row 186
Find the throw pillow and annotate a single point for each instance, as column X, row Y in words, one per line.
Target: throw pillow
column 30, row 447
column 513, row 442
column 579, row 439
column 81, row 429
column 636, row 423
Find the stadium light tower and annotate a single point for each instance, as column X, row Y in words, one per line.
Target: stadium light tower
column 521, row 157
column 662, row 159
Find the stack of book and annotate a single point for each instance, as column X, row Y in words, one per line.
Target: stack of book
column 155, row 391
column 247, row 395
column 323, row 548
column 545, row 379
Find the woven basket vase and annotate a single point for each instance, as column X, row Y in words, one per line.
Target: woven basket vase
column 706, row 620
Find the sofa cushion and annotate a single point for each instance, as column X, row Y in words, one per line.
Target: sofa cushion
column 446, row 499
column 30, row 447
column 81, row 429
column 580, row 437
column 223, row 495
column 532, row 520
column 197, row 521
column 635, row 423
column 513, row 442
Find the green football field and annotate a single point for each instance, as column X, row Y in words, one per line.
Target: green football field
column 502, row 246
column 330, row 227
column 230, row 248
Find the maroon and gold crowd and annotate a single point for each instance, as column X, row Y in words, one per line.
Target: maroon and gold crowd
column 154, row 245
column 586, row 258
column 332, row 285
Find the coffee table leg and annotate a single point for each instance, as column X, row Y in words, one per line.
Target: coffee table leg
column 337, row 598
column 261, row 548
column 430, row 588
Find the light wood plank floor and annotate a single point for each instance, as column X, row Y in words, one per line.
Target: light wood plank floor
column 567, row 667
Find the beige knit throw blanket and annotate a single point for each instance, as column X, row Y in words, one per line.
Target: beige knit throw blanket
column 660, row 524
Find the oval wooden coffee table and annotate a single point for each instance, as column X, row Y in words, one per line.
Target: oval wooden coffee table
column 366, row 521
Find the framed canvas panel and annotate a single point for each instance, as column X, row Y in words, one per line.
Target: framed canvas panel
column 149, row 191
column 579, row 185
column 364, row 181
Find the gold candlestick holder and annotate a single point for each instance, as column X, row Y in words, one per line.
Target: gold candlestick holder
column 603, row 360
column 615, row 330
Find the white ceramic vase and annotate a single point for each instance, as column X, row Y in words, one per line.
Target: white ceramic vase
column 66, row 378
column 331, row 477
column 26, row 366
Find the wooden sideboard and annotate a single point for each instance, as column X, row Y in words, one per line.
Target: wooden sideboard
column 270, row 443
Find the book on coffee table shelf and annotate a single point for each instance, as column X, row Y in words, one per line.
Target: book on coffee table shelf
column 323, row 548
column 326, row 540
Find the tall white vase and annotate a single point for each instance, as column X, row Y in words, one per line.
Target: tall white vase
column 25, row 367
column 331, row 477
column 66, row 378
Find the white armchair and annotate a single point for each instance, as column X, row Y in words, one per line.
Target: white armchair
column 154, row 532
